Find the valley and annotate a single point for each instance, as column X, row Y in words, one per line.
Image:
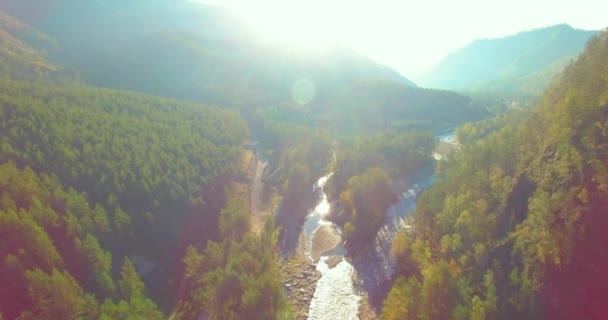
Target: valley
column 342, row 289
column 163, row 160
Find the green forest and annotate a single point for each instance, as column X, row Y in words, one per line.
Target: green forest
column 94, row 178
column 513, row 228
column 54, row 266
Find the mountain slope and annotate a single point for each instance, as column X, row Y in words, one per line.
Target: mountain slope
column 515, row 227
column 201, row 53
column 22, row 51
column 524, row 62
column 122, row 174
column 178, row 48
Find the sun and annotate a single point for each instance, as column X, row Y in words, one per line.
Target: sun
column 311, row 24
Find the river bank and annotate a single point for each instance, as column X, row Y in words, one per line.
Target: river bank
column 345, row 286
column 351, row 285
column 299, row 282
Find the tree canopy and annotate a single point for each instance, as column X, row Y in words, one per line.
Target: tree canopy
column 512, row 228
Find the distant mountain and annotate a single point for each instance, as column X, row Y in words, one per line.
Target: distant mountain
column 521, row 63
column 181, row 48
column 192, row 51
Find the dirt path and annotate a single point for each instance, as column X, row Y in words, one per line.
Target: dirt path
column 257, row 188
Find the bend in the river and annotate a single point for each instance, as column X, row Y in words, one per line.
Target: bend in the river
column 336, row 294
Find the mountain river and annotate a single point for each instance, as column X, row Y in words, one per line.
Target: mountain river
column 341, row 287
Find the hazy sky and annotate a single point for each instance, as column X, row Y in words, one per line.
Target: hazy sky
column 410, row 35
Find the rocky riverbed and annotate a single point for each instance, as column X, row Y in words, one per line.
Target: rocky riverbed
column 299, row 281
column 324, row 239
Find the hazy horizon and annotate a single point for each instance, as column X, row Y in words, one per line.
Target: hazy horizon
column 315, row 23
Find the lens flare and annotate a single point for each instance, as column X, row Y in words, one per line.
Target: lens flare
column 303, row 91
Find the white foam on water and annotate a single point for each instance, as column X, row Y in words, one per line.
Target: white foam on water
column 334, row 297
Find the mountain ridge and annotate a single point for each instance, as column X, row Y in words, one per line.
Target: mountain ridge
column 200, row 54
column 112, row 34
column 500, row 64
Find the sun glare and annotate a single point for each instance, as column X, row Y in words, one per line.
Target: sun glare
column 312, row 24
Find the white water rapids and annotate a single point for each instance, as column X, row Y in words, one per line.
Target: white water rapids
column 336, row 295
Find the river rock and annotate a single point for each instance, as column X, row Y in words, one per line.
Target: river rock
column 333, row 261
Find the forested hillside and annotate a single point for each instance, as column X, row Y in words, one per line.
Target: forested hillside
column 22, row 51
column 92, row 176
column 523, row 63
column 179, row 48
column 140, row 153
column 516, row 226
column 189, row 50
column 53, row 265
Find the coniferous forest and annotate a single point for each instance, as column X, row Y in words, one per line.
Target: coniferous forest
column 513, row 228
